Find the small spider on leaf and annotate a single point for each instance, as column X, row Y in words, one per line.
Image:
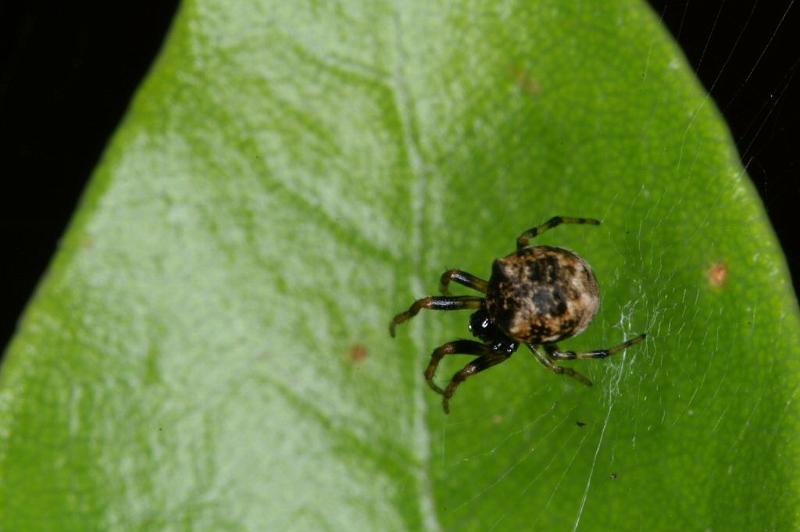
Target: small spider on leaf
column 537, row 295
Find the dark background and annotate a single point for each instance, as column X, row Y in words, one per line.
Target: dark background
column 68, row 71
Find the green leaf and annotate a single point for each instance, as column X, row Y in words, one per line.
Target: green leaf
column 209, row 349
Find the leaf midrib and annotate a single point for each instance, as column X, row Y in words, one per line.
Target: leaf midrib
column 419, row 184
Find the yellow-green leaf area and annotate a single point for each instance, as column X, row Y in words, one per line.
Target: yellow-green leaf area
column 209, row 349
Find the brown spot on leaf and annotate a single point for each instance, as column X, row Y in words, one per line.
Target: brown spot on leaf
column 524, row 81
column 358, row 352
column 718, row 274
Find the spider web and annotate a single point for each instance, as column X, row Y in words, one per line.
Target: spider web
column 729, row 58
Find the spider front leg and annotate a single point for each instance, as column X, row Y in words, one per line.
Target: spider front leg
column 553, row 352
column 435, row 303
column 476, row 366
column 548, row 362
column 459, row 347
column 461, row 277
column 555, row 221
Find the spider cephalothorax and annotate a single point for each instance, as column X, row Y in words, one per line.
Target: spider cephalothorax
column 537, row 295
column 484, row 328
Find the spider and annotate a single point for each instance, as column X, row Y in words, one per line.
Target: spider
column 536, row 296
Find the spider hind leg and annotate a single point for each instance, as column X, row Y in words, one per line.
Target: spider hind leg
column 524, row 239
column 553, row 352
column 548, row 362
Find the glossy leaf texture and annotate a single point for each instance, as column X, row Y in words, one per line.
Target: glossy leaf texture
column 209, row 349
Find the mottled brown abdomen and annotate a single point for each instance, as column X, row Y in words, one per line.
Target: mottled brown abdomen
column 542, row 294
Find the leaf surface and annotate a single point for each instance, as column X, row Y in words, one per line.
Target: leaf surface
column 209, row 349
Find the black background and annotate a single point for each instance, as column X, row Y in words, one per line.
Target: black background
column 68, row 71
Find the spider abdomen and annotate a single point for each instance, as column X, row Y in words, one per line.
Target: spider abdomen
column 542, row 294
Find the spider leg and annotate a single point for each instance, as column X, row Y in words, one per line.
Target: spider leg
column 550, row 364
column 476, row 366
column 459, row 347
column 461, row 277
column 600, row 353
column 435, row 303
column 524, row 238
